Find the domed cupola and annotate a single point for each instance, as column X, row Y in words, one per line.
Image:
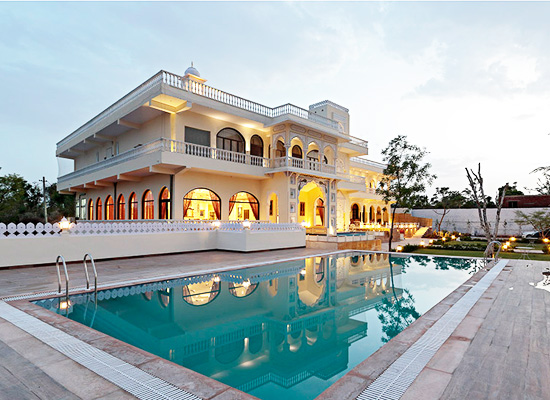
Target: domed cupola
column 193, row 74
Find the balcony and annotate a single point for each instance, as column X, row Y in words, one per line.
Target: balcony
column 168, row 156
column 352, row 183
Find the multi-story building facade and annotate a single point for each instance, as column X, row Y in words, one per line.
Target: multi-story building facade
column 175, row 148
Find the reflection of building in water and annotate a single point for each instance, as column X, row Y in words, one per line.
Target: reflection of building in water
column 249, row 327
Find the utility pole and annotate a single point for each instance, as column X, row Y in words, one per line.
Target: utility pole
column 44, row 195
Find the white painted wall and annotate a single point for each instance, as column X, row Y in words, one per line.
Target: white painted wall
column 44, row 250
column 467, row 220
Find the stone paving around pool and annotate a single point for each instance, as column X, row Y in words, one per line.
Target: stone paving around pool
column 500, row 350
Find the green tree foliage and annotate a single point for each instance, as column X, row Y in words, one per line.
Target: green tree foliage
column 21, row 201
column 540, row 220
column 405, row 177
column 512, row 190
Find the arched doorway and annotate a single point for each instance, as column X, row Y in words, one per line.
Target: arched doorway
column 372, row 217
column 311, row 205
column 230, row 139
column 297, row 151
column 133, row 206
column 109, row 209
column 203, row 204
column 164, row 204
column 280, row 150
column 354, row 215
column 99, row 209
column 244, row 206
column 378, row 215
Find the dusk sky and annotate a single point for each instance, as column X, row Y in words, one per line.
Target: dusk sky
column 469, row 81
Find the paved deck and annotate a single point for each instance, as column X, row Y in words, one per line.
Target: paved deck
column 500, row 350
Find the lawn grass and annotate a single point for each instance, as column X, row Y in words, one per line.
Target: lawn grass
column 467, row 253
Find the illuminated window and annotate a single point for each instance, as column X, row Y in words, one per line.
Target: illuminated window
column 109, row 209
column 297, row 151
column 121, row 207
column 164, row 204
column 230, row 139
column 256, row 146
column 247, row 207
column 91, row 210
column 98, row 209
column 280, row 150
column 148, row 205
column 133, row 204
column 202, row 204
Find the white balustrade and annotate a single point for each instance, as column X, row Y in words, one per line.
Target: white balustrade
column 368, row 162
column 122, row 227
column 311, row 165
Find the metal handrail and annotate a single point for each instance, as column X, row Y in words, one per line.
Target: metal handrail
column 490, row 246
column 87, row 255
column 59, row 276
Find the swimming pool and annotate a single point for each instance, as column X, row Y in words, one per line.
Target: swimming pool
column 289, row 329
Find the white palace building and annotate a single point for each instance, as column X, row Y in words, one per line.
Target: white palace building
column 177, row 149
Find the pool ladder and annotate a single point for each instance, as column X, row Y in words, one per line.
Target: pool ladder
column 84, row 261
column 491, row 249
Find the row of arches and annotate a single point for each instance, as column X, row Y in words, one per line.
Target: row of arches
column 369, row 215
column 232, row 140
column 198, row 203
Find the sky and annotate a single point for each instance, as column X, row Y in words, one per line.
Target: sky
column 469, row 81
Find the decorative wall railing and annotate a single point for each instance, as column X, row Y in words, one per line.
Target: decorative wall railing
column 292, row 162
column 368, row 162
column 139, row 227
column 357, row 179
column 359, row 142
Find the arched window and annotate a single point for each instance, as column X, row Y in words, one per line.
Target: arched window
column 90, row 210
column 364, row 214
column 371, row 214
column 313, row 155
column 109, row 209
column 200, row 294
column 297, row 151
column 243, row 206
column 230, row 139
column 280, row 150
column 319, row 212
column 354, row 212
column 98, row 209
column 203, row 204
column 164, row 204
column 148, row 205
column 133, row 204
column 256, row 146
column 121, row 207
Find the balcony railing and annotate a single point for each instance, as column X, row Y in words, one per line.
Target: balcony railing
column 176, row 146
column 227, row 98
column 292, row 162
column 368, row 162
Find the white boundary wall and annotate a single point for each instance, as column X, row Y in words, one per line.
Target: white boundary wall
column 33, row 249
column 466, row 220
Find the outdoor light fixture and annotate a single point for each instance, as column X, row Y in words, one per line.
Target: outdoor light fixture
column 453, row 237
column 431, row 241
column 64, row 305
column 246, row 284
column 303, row 272
column 546, row 240
column 422, row 243
column 399, row 248
column 247, row 224
column 216, row 224
column 64, row 224
column 513, row 239
column 305, row 224
column 443, row 239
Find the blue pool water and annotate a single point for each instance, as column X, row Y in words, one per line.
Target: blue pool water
column 286, row 330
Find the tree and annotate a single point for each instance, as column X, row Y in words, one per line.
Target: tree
column 405, row 177
column 396, row 313
column 539, row 220
column 512, row 190
column 446, row 199
column 543, row 184
column 482, row 202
